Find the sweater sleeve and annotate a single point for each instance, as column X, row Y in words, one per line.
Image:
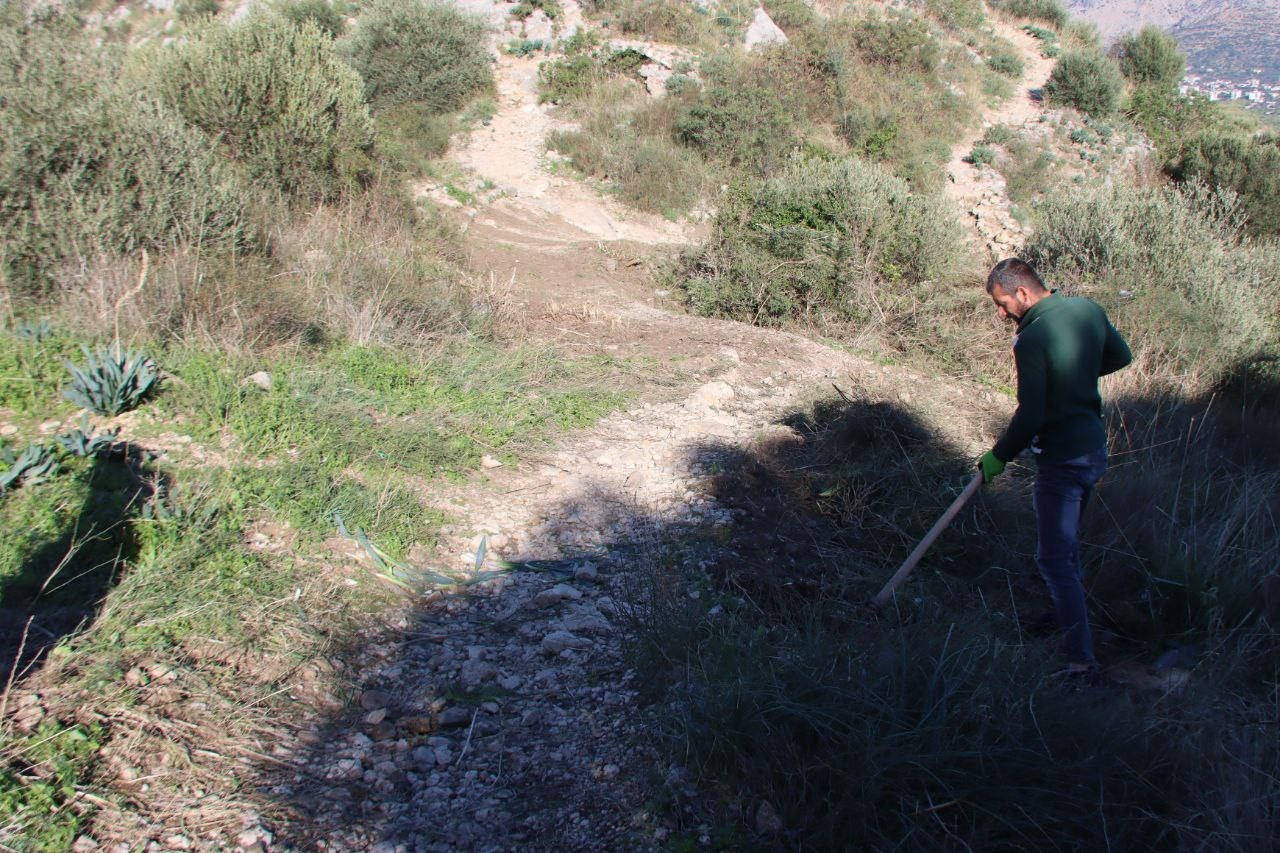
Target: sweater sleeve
column 1115, row 352
column 1033, row 381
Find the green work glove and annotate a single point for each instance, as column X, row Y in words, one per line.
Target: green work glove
column 991, row 466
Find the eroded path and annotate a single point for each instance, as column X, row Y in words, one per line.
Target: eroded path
column 506, row 716
column 980, row 192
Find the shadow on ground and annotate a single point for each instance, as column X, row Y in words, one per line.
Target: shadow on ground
column 61, row 582
column 491, row 720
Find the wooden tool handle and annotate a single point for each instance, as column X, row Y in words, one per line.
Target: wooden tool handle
column 934, row 532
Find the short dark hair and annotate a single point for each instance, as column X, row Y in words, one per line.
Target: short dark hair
column 1012, row 273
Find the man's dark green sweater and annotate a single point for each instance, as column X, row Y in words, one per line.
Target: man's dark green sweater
column 1064, row 343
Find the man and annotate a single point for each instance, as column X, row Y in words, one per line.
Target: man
column 1062, row 346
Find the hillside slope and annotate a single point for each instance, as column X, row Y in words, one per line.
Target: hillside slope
column 1235, row 38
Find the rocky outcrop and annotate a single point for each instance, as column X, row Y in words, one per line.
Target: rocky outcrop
column 763, row 31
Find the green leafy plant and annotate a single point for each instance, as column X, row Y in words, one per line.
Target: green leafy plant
column 525, row 8
column 409, row 51
column 524, row 47
column 36, row 332
column 319, row 12
column 1151, row 57
column 278, row 97
column 94, row 166
column 998, row 134
column 1008, row 64
column 1052, row 12
column 33, row 466
column 82, row 441
column 113, row 381
column 982, row 155
column 1086, row 80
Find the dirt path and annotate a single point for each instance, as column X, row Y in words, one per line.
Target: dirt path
column 534, row 739
column 980, row 192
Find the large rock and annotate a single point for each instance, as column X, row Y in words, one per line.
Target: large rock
column 763, row 31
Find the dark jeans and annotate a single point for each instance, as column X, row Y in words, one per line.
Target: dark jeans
column 1062, row 492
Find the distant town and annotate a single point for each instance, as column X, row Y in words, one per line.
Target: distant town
column 1252, row 93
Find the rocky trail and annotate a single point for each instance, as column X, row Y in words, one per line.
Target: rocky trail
column 506, row 716
column 980, row 191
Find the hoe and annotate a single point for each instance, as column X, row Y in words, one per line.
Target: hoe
column 940, row 525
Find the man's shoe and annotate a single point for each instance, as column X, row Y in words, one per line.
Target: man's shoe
column 1079, row 677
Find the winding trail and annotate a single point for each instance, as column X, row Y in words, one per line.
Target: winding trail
column 980, row 192
column 539, row 743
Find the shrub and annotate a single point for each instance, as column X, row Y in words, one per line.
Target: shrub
column 525, row 8
column 982, row 155
column 277, row 97
column 191, row 10
column 1086, row 80
column 1052, row 12
column 1151, row 57
column 319, row 12
column 824, row 237
column 1248, row 166
column 899, row 41
column 868, row 132
column 423, row 52
column 563, row 81
column 742, row 116
column 998, row 134
column 1008, row 64
column 791, row 15
column 89, row 167
column 664, row 20
column 1080, row 34
column 524, row 47
column 1203, row 298
column 957, row 14
column 652, row 174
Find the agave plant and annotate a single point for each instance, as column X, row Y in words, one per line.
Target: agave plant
column 35, row 331
column 35, row 465
column 114, row 380
column 82, row 441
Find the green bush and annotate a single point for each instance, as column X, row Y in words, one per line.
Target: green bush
column 1151, row 57
column 957, row 14
column 415, row 51
column 870, row 133
column 90, row 167
column 562, row 81
column 791, row 15
column 191, row 10
column 897, row 41
column 278, row 99
column 1086, row 80
column 1008, row 64
column 1052, row 12
column 824, row 237
column 1250, row 166
column 319, row 12
column 982, row 155
column 998, row 134
column 1202, row 298
column 664, row 20
column 741, row 120
column 525, row 8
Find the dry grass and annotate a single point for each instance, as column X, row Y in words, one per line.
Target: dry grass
column 371, row 269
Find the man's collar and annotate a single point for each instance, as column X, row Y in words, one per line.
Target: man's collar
column 1036, row 310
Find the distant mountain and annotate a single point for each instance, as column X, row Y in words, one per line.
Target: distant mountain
column 1236, row 38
